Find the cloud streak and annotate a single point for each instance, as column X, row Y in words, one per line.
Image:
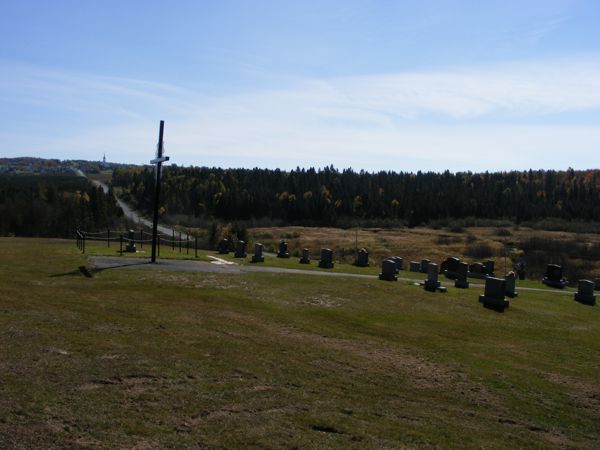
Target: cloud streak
column 496, row 117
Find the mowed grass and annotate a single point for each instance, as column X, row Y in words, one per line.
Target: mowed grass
column 154, row 359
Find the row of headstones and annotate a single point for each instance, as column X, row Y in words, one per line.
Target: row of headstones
column 496, row 289
column 325, row 262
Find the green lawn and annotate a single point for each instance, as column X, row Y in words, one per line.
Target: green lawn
column 155, row 359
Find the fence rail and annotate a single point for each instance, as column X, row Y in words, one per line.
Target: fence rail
column 130, row 240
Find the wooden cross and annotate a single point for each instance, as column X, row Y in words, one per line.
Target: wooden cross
column 158, row 165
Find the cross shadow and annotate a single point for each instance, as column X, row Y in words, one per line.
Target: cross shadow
column 89, row 273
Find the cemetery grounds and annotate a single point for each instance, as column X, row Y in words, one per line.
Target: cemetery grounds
column 157, row 358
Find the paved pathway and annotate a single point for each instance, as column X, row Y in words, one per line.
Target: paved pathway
column 104, row 262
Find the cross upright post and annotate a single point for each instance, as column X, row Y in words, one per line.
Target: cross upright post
column 158, row 165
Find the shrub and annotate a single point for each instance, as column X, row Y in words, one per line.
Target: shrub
column 479, row 250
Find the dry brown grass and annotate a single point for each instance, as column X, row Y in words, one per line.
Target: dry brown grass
column 413, row 244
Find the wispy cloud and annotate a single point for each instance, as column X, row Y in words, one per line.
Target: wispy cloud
column 495, row 117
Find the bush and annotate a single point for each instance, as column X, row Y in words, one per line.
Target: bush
column 502, row 232
column 479, row 250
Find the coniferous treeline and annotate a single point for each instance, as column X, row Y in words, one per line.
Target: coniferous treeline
column 53, row 205
column 332, row 197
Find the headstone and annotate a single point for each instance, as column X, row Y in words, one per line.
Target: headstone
column 258, row 253
column 461, row 276
column 414, row 266
column 283, row 250
column 450, row 267
column 388, row 270
column 130, row 247
column 489, row 267
column 425, row 265
column 240, row 249
column 223, row 246
column 363, row 258
column 477, row 270
column 431, row 283
column 554, row 277
column 493, row 296
column 521, row 270
column 399, row 263
column 585, row 293
column 510, row 285
column 326, row 261
column 305, row 256
column 597, row 284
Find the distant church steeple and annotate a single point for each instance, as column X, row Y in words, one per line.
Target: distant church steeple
column 104, row 159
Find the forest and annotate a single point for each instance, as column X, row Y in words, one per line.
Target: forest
column 53, row 205
column 329, row 197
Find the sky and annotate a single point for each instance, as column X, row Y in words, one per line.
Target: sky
column 372, row 85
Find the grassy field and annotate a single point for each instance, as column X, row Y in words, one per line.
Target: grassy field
column 154, row 359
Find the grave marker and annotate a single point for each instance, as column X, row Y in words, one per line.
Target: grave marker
column 223, row 247
column 130, row 247
column 425, row 265
column 414, row 266
column 363, row 258
column 554, row 277
column 461, row 276
column 585, row 293
column 258, row 253
column 493, row 296
column 305, row 256
column 283, row 250
column 326, row 261
column 510, row 285
column 240, row 249
column 388, row 270
column 431, row 283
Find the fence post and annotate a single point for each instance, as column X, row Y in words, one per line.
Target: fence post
column 158, row 244
column 196, row 247
column 180, row 242
column 121, row 244
column 141, row 238
column 173, row 238
column 187, row 245
column 84, row 243
column 108, row 237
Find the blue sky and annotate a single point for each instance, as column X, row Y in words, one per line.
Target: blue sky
column 374, row 85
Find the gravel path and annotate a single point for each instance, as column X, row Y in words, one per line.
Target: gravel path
column 110, row 262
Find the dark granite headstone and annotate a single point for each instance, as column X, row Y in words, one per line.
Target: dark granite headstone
column 521, row 270
column 414, row 266
column 388, row 270
column 399, row 263
column 258, row 253
column 326, row 261
column 223, row 246
column 450, row 267
column 493, row 296
column 425, row 265
column 461, row 276
column 305, row 256
column 363, row 258
column 489, row 267
column 431, row 283
column 510, row 285
column 597, row 284
column 585, row 293
column 283, row 250
column 477, row 270
column 130, row 247
column 240, row 249
column 554, row 277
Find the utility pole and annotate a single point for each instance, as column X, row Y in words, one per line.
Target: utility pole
column 158, row 164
